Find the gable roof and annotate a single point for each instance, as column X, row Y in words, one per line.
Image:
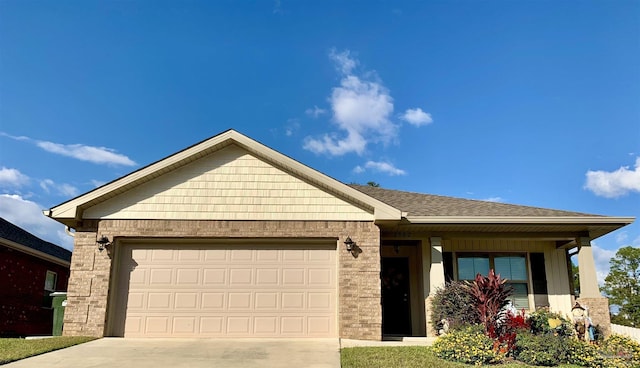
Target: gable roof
column 16, row 237
column 70, row 212
column 418, row 205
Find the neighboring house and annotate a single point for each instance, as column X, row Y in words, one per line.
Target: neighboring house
column 30, row 270
column 231, row 238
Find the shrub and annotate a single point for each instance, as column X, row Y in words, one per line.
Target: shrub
column 586, row 355
column 490, row 295
column 467, row 345
column 544, row 350
column 544, row 322
column 622, row 350
column 454, row 304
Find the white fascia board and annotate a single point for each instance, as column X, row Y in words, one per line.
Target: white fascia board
column 519, row 220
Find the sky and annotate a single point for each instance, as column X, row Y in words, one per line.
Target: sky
column 524, row 102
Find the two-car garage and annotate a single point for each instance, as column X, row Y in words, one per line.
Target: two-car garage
column 242, row 288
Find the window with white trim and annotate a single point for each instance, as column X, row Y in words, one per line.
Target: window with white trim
column 512, row 267
column 50, row 281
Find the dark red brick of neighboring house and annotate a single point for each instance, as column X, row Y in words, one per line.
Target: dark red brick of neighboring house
column 27, row 268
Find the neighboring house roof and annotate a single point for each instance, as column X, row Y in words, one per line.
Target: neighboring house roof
column 417, row 204
column 18, row 238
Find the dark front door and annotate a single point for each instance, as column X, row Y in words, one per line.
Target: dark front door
column 396, row 310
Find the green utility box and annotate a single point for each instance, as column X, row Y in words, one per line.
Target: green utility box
column 58, row 304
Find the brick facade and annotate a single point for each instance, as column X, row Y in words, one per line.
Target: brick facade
column 24, row 309
column 599, row 312
column 359, row 308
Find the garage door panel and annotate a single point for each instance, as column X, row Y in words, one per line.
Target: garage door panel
column 216, row 291
column 187, row 276
column 215, row 276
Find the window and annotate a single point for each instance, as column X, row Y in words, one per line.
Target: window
column 509, row 266
column 50, row 281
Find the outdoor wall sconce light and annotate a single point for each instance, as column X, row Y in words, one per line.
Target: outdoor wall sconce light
column 349, row 243
column 103, row 243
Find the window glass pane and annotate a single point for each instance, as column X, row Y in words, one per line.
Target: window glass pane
column 511, row 267
column 50, row 281
column 481, row 266
column 518, row 268
column 503, row 267
column 468, row 267
column 465, row 269
column 520, row 295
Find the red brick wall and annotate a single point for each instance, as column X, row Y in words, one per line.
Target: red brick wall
column 22, row 293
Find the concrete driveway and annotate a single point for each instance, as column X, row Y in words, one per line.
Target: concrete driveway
column 192, row 353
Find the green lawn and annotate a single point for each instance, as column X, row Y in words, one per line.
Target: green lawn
column 404, row 357
column 16, row 349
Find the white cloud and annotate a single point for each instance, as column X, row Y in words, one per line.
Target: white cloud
column 361, row 109
column 417, row 117
column 28, row 215
column 315, row 112
column 381, row 167
column 615, row 183
column 343, row 61
column 12, row 177
column 98, row 183
column 96, row 155
column 64, row 189
column 602, row 258
column 494, row 199
column 622, row 237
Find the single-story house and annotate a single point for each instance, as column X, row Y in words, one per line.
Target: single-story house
column 30, row 270
column 230, row 238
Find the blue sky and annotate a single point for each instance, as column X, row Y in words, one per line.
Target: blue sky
column 524, row 102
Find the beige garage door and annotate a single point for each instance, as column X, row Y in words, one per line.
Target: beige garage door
column 233, row 290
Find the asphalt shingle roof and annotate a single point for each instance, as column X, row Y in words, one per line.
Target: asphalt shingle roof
column 417, row 204
column 15, row 234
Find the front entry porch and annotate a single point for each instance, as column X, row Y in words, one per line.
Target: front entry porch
column 538, row 268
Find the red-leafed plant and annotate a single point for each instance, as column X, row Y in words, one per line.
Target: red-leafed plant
column 509, row 328
column 490, row 296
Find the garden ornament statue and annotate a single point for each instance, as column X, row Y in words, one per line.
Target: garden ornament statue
column 582, row 323
column 444, row 327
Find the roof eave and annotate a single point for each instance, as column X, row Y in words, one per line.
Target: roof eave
column 34, row 252
column 604, row 220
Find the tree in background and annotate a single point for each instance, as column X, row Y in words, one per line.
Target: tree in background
column 622, row 286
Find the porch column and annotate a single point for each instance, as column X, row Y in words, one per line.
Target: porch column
column 588, row 278
column 590, row 297
column 437, row 267
column 435, row 270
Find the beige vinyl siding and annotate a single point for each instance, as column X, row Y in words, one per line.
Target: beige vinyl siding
column 230, row 184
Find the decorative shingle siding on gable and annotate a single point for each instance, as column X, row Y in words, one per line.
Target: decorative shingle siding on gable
column 230, row 184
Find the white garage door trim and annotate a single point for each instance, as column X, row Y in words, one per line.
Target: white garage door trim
column 239, row 288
